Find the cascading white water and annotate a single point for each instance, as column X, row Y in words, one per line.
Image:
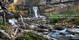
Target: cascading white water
column 22, row 20
column 35, row 8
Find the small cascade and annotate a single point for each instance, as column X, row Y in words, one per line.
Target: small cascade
column 35, row 8
column 63, row 31
column 22, row 20
column 56, row 34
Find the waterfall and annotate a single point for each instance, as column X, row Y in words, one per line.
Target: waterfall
column 35, row 8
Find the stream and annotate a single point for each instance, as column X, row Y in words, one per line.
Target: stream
column 42, row 29
column 38, row 24
column 63, row 34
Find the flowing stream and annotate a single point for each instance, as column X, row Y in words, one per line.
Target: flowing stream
column 59, row 34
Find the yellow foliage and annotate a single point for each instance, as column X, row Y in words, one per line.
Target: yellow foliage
column 76, row 6
column 4, row 0
column 11, row 7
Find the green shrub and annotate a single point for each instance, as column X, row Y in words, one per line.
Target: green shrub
column 1, row 22
column 54, row 20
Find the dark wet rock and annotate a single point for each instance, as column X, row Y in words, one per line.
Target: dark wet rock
column 59, row 27
column 45, row 27
column 17, row 16
column 62, row 34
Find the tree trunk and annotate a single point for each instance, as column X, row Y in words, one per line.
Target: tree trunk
column 4, row 18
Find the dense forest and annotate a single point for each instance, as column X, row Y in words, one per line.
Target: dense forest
column 39, row 20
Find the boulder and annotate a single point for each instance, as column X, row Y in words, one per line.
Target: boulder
column 73, row 30
column 32, row 26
